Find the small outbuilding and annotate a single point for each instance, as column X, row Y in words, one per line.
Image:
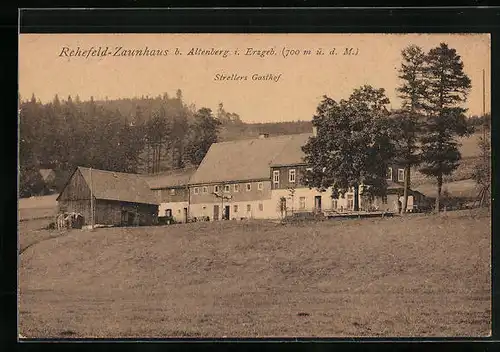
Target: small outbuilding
column 119, row 199
column 171, row 190
column 416, row 200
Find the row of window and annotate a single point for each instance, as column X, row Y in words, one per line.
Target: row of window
column 227, row 188
column 249, row 207
column 401, row 174
column 291, row 176
column 276, row 180
column 349, row 197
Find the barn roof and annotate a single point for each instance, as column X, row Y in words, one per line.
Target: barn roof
column 170, row 179
column 118, row 186
column 248, row 159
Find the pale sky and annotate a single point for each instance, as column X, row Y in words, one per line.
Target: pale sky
column 303, row 81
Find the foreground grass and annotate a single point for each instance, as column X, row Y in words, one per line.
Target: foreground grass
column 413, row 276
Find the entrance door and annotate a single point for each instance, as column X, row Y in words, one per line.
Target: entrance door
column 216, row 212
column 317, row 203
column 124, row 220
column 226, row 213
column 131, row 219
column 185, row 214
column 350, row 202
column 283, row 206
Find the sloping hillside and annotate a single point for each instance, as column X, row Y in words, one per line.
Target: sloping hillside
column 412, row 276
column 470, row 153
column 463, row 189
column 37, row 207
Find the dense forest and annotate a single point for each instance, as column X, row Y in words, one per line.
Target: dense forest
column 139, row 135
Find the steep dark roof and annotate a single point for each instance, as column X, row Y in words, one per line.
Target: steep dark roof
column 118, row 186
column 170, row 179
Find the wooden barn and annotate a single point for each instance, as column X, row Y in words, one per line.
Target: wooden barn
column 120, row 199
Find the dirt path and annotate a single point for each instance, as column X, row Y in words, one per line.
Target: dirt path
column 32, row 232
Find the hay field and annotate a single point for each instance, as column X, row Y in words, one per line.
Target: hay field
column 463, row 188
column 470, row 153
column 37, row 207
column 418, row 275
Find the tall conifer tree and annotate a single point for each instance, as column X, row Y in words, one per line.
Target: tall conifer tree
column 447, row 88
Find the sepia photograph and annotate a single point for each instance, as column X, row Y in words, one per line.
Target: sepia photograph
column 254, row 185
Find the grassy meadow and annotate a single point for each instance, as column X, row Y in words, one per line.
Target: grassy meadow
column 418, row 275
column 37, row 207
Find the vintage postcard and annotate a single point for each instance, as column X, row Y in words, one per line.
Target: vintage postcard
column 254, row 185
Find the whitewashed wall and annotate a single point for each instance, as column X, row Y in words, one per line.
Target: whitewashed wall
column 177, row 210
column 207, row 209
column 270, row 207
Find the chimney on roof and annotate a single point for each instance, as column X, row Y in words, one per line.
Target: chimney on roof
column 263, row 135
column 315, row 131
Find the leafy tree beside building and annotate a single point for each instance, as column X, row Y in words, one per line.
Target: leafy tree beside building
column 352, row 146
column 203, row 133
